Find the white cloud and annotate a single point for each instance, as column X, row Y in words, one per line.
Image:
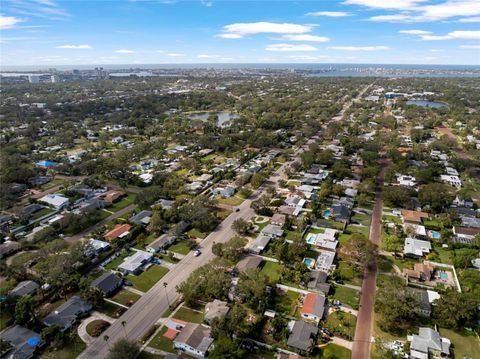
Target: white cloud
column 470, row 19
column 205, row 56
column 290, row 47
column 174, row 54
column 39, row 8
column 385, row 4
column 239, row 30
column 359, row 48
column 392, row 18
column 328, row 13
column 206, row 3
column 123, row 51
column 469, row 46
column 307, row 57
column 454, row 35
column 415, row 32
column 306, row 37
column 74, row 47
column 8, row 22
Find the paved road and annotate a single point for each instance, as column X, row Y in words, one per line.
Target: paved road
column 146, row 311
column 363, row 331
column 103, row 222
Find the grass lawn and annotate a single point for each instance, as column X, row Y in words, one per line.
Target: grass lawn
column 358, row 229
column 69, row 351
column 22, row 258
column 180, row 246
column 272, row 270
column 209, row 157
column 196, row 233
column 444, row 255
column 124, row 202
column 91, row 327
column 125, row 297
column 112, row 310
column 346, row 295
column 341, row 324
column 463, row 344
column 362, row 218
column 231, row 201
column 189, row 315
column 118, row 260
column 404, row 263
column 286, row 303
column 167, row 258
column 348, row 274
column 292, row 235
column 433, row 224
column 52, row 183
column 316, row 230
column 385, row 264
column 40, row 213
column 343, row 238
column 148, row 278
column 161, row 342
column 379, row 333
column 6, row 318
column 393, row 219
column 334, row 351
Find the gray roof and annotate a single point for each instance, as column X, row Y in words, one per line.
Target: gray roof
column 272, row 230
column 195, row 336
column 107, row 283
column 142, row 218
column 470, row 222
column 341, row 212
column 67, row 313
column 259, row 243
column 301, row 336
column 318, row 280
column 20, row 338
column 249, row 262
column 24, row 288
column 215, row 309
column 429, row 339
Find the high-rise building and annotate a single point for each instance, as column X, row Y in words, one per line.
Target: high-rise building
column 34, row 79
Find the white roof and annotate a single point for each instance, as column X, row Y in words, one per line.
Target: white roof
column 136, row 260
column 417, row 247
column 325, row 260
column 55, row 200
column 432, row 295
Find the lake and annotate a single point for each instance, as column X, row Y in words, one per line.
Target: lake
column 424, row 103
column 223, row 117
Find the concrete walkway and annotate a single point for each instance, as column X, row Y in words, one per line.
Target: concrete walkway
column 342, row 342
column 113, row 302
column 82, row 328
column 133, row 290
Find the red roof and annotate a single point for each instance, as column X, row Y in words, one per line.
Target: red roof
column 117, row 231
column 309, row 303
column 170, row 333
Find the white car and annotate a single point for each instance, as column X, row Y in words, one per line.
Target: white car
column 197, row 253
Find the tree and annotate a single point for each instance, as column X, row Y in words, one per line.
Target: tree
column 464, row 256
column 359, row 252
column 392, row 243
column 232, row 325
column 251, row 289
column 227, row 348
column 156, row 222
column 94, row 296
column 124, row 349
column 437, row 196
column 25, row 309
column 231, row 250
column 240, row 226
column 456, row 310
column 257, row 180
column 397, row 196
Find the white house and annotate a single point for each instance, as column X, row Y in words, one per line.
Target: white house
column 57, row 201
column 407, row 181
column 194, row 339
column 451, row 180
column 416, row 247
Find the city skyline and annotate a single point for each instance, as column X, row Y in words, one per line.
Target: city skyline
column 44, row 32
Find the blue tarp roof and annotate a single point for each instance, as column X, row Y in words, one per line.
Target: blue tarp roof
column 33, row 341
column 45, row 163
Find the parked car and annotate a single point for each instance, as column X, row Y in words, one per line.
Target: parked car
column 197, row 253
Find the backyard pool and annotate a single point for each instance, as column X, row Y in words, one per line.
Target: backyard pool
column 309, row 262
column 311, row 238
column 443, row 275
column 327, row 214
column 435, row 234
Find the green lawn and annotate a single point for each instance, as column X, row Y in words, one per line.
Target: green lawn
column 208, row 157
column 463, row 344
column 124, row 297
column 442, row 255
column 112, row 310
column 393, row 219
column 22, row 258
column 334, row 351
column 147, row 279
column 161, row 342
column 91, row 327
column 231, row 201
column 343, row 238
column 118, row 260
column 196, row 233
column 69, row 351
column 362, row 218
column 345, row 295
column 341, row 324
column 6, row 318
column 348, row 274
column 180, row 246
column 40, row 213
column 52, row 183
column 292, row 235
column 286, row 303
column 404, row 263
column 189, row 315
column 124, row 202
column 272, row 270
column 363, row 230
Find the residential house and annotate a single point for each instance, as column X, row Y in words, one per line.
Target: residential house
column 313, row 307
column 107, row 283
column 225, row 192
column 327, row 240
column 248, row 263
column 95, row 247
column 119, row 231
column 142, row 218
column 452, row 180
column 420, row 272
column 414, row 217
column 161, row 243
column 325, row 261
column 278, row 220
column 112, row 196
column 465, row 232
column 194, row 339
column 341, row 213
column 406, row 181
column 272, row 231
column 26, row 287
column 19, row 343
column 416, row 247
column 68, row 313
column 259, row 244
column 428, row 343
column 215, row 309
column 55, row 200
column 8, row 247
column 318, row 281
column 135, row 263
column 303, row 336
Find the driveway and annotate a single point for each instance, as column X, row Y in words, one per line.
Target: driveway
column 82, row 328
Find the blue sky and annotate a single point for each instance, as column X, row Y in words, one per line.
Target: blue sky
column 48, row 32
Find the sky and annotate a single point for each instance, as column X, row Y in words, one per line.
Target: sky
column 84, row 32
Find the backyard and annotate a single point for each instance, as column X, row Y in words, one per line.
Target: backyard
column 146, row 280
column 286, row 303
column 162, row 343
column 272, row 270
column 341, row 324
column 124, row 202
column 70, row 350
column 189, row 315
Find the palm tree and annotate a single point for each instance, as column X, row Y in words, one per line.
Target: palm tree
column 124, row 323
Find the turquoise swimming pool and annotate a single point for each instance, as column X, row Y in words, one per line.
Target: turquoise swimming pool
column 309, row 262
column 443, row 275
column 435, row 234
column 327, row 214
column 310, row 239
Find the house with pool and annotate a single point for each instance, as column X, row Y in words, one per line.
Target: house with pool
column 325, row 261
column 326, row 240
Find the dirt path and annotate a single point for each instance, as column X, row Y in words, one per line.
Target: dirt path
column 448, row 132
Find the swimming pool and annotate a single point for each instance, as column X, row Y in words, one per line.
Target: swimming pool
column 311, row 238
column 443, row 275
column 435, row 234
column 327, row 214
column 309, row 262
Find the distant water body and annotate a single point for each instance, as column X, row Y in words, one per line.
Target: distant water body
column 317, row 70
column 424, row 103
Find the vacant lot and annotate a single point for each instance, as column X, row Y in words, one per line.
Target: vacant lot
column 346, row 296
column 147, row 279
column 125, row 297
column 189, row 315
column 181, row 247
